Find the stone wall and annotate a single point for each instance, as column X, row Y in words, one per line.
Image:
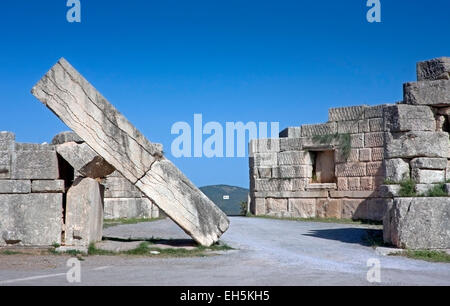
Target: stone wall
column 370, row 145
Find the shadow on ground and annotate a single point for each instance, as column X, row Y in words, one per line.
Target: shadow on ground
column 365, row 237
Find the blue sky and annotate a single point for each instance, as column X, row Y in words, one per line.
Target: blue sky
column 160, row 62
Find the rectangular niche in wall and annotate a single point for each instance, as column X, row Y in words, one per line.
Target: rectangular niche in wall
column 323, row 167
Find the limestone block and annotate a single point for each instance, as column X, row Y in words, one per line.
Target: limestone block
column 417, row 144
column 329, row 208
column 128, row 208
column 354, row 183
column 355, row 209
column 348, row 127
column 294, row 158
column 258, row 206
column 291, row 144
column 347, row 113
column 302, row 208
column 30, row 219
column 34, row 161
column 377, row 208
column 357, row 140
column 276, row 205
column 376, row 125
column 292, row 194
column 7, row 140
column 5, row 164
column 85, row 111
column 351, row 169
column 397, row 169
column 280, row 184
column 303, row 171
column 67, row 136
column 429, row 163
column 266, row 173
column 435, row 69
column 342, row 183
column 329, row 128
column 84, row 160
column 363, row 126
column 365, row 155
column 433, row 93
column 390, row 190
column 44, row 186
column 84, row 213
column 375, row 169
column 422, row 176
column 291, row 132
column 15, row 186
column 422, row 189
column 119, row 187
column 375, row 111
column 418, row 223
column 367, row 183
column 340, row 157
column 264, row 146
column 373, row 140
column 377, row 154
column 403, row 118
column 265, row 159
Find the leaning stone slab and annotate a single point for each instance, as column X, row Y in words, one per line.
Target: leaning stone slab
column 417, row 144
column 84, row 213
column 15, row 186
column 84, row 110
column 84, row 160
column 64, row 137
column 34, row 161
column 30, row 219
column 433, row 93
column 435, row 69
column 44, row 186
column 418, row 223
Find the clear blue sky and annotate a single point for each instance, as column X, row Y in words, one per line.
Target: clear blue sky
column 160, row 62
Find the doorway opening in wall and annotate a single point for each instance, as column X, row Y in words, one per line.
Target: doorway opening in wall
column 323, row 167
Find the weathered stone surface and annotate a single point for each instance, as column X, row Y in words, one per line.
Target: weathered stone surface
column 267, row 172
column 40, row 186
column 377, row 154
column 264, row 146
column 356, row 209
column 348, row 127
column 321, row 186
column 434, row 93
column 276, row 205
column 375, row 111
column 114, row 138
column 7, row 140
column 5, row 164
column 129, row 208
column 119, row 187
column 375, row 169
column 30, row 219
column 373, row 140
column 319, row 129
column 342, row 183
column 390, row 190
column 422, row 176
column 294, row 158
column 291, row 132
column 280, row 184
column 422, row 189
column 64, row 137
column 351, row 169
column 429, row 163
column 357, row 140
column 367, row 183
column 365, row 155
column 418, row 223
column 264, row 159
column 403, row 118
column 34, row 161
column 258, row 206
column 15, row 186
column 302, row 208
column 377, row 208
column 291, row 144
column 84, row 160
column 340, row 157
column 354, row 183
column 417, row 144
column 84, row 213
column 435, row 69
column 397, row 169
column 303, row 171
column 329, row 208
column 376, row 125
column 347, row 113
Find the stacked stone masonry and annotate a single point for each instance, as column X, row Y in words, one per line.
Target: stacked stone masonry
column 339, row 169
column 60, row 193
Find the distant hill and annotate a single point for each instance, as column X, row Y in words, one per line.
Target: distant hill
column 231, row 206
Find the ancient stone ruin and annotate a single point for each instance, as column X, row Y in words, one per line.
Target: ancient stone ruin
column 353, row 166
column 118, row 143
column 60, row 193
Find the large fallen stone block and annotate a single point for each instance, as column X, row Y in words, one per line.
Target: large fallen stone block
column 418, row 223
column 84, row 110
column 84, row 213
column 403, row 117
column 84, row 160
column 34, row 161
column 417, row 144
column 30, row 219
column 435, row 69
column 433, row 93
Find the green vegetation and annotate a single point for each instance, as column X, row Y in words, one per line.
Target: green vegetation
column 389, row 182
column 244, row 210
column 344, row 141
column 231, row 206
column 407, row 189
column 437, row 191
column 432, row 256
column 115, row 222
column 8, row 252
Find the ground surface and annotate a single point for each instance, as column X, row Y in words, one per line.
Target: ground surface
column 268, row 252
